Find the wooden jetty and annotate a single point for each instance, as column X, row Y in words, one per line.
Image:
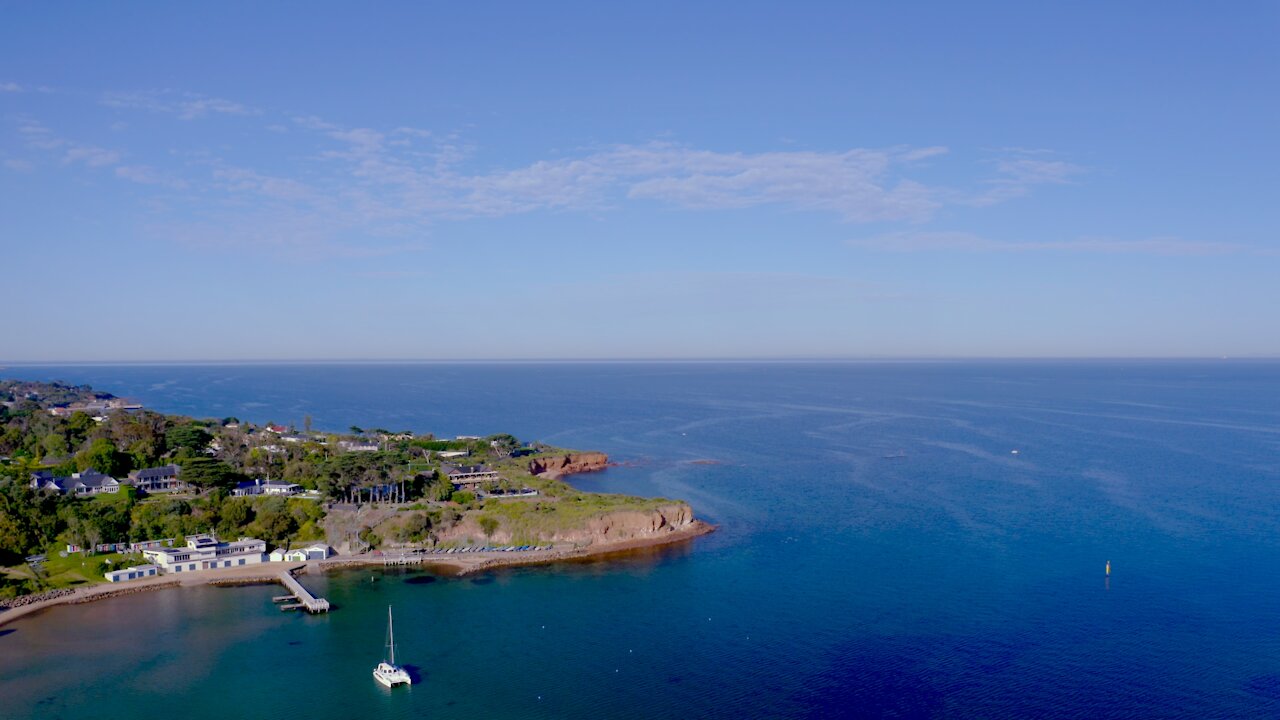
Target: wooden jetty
column 412, row 557
column 305, row 600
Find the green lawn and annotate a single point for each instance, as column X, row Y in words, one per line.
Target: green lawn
column 77, row 569
column 535, row 519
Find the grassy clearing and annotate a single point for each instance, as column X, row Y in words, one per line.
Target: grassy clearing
column 558, row 508
column 76, row 569
column 534, row 520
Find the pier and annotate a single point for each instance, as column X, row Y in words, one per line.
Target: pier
column 412, row 557
column 305, row 600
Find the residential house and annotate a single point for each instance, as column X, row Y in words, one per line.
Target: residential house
column 158, row 479
column 250, row 488
column 89, row 482
column 359, row 445
column 44, row 480
column 470, row 476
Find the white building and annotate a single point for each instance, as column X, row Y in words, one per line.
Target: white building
column 204, row 552
column 317, row 551
column 132, row 573
column 266, row 487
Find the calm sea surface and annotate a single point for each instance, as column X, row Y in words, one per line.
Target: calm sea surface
column 882, row 552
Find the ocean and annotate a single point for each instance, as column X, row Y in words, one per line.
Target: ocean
column 882, row 551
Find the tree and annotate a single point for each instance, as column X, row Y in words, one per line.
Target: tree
column 79, row 425
column 21, row 530
column 170, row 518
column 205, row 472
column 488, row 524
column 236, row 514
column 190, row 436
column 55, row 445
column 103, row 456
column 306, row 423
column 275, row 524
column 142, row 433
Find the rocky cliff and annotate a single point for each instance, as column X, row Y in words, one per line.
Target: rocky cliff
column 608, row 528
column 560, row 465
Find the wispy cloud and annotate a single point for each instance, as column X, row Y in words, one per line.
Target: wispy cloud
column 9, row 86
column 379, row 188
column 91, row 156
column 245, row 180
column 39, row 137
column 1020, row 170
column 859, row 185
column 147, row 175
column 944, row 241
column 184, row 105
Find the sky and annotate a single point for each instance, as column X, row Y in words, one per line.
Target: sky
column 324, row 181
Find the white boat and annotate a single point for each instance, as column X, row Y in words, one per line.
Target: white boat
column 389, row 673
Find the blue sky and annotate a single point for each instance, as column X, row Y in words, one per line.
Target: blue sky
column 667, row 180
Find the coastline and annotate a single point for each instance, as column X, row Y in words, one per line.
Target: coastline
column 470, row 563
column 252, row 575
column 266, row 573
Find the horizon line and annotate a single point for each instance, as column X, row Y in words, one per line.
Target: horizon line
column 5, row 364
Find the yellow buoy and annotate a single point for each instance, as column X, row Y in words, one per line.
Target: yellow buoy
column 1108, row 568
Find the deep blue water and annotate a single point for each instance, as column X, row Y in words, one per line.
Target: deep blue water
column 882, row 553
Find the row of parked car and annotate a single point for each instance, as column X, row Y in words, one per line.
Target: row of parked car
column 476, row 548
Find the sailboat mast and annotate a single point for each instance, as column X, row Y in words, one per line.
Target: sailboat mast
column 391, row 637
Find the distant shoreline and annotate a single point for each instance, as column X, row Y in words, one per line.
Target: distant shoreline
column 20, row 364
column 266, row 573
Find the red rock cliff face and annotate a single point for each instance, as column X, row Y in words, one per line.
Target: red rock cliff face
column 568, row 464
column 631, row 524
column 609, row 528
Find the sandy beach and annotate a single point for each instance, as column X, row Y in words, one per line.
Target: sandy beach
column 463, row 564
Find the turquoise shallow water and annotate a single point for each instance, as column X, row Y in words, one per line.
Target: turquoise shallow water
column 882, row 552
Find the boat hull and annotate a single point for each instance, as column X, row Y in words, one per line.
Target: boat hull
column 391, row 676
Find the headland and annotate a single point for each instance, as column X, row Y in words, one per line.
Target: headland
column 101, row 497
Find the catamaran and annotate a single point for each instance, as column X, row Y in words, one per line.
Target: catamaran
column 387, row 672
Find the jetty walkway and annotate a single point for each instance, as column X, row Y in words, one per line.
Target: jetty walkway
column 305, row 600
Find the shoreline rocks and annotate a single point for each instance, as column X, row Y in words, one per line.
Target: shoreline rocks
column 557, row 466
column 24, row 600
column 118, row 592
